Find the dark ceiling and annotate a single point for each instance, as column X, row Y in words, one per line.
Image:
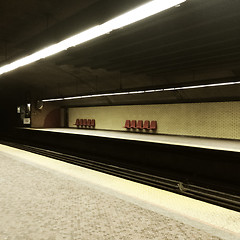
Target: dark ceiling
column 196, row 43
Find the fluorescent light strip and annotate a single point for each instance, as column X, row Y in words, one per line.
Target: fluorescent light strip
column 70, row 98
column 123, row 20
column 146, row 91
column 55, row 99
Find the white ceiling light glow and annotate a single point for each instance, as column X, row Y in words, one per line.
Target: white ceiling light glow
column 123, row 20
column 145, row 91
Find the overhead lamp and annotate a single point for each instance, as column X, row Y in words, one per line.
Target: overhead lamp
column 121, row 21
column 144, row 91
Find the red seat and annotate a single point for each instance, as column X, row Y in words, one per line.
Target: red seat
column 140, row 124
column 133, row 124
column 93, row 123
column 146, row 124
column 127, row 124
column 84, row 122
column 77, row 123
column 153, row 125
column 81, row 122
column 89, row 121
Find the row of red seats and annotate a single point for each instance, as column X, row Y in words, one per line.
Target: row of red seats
column 85, row 123
column 140, row 125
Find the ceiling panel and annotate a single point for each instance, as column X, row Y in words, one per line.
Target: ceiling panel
column 195, row 43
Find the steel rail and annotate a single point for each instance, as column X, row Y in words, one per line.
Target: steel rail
column 209, row 195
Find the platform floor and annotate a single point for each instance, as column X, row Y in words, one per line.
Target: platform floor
column 200, row 142
column 43, row 198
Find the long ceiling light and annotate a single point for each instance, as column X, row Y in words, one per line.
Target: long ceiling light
column 123, row 20
column 141, row 92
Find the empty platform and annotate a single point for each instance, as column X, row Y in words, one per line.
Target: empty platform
column 43, row 198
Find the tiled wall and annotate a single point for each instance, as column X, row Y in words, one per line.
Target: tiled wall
column 218, row 120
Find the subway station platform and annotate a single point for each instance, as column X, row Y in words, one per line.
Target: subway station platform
column 43, row 198
column 212, row 164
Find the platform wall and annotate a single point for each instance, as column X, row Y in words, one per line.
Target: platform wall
column 49, row 116
column 218, row 120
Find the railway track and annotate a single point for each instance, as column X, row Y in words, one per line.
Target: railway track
column 212, row 196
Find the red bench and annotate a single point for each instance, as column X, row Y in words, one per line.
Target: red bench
column 146, row 125
column 134, row 124
column 85, row 122
column 81, row 122
column 77, row 123
column 153, row 125
column 93, row 123
column 127, row 124
column 140, row 124
column 89, row 122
